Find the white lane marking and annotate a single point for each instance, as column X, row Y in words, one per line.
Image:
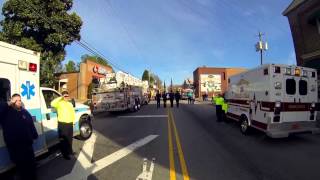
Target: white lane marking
column 83, row 167
column 104, row 162
column 83, row 161
column 145, row 116
column 146, row 174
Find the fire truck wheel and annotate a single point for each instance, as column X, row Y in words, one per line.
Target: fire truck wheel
column 244, row 125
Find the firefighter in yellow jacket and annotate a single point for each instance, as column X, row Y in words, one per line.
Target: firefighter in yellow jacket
column 66, row 119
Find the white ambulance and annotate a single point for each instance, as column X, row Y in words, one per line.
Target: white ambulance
column 19, row 73
column 277, row 99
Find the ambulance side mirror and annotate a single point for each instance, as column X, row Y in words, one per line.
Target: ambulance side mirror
column 73, row 102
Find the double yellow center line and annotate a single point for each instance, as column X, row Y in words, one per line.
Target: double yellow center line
column 183, row 165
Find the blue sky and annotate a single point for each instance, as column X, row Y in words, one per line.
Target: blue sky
column 173, row 37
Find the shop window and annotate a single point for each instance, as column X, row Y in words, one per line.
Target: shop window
column 95, row 82
column 5, row 93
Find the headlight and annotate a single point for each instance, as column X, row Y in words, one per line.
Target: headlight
column 278, row 104
column 313, row 105
column 277, row 85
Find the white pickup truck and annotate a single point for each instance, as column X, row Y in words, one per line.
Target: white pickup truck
column 19, row 73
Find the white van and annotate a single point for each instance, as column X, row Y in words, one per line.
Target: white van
column 19, row 73
column 276, row 99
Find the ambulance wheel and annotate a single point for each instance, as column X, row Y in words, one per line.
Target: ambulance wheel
column 85, row 129
column 244, row 125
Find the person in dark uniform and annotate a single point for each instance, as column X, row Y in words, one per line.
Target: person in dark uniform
column 158, row 98
column 164, row 98
column 177, row 97
column 19, row 133
column 171, row 95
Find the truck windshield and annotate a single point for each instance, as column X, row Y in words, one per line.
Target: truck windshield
column 291, row 86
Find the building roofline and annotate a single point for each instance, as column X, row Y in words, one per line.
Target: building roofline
column 294, row 4
column 220, row 68
column 108, row 65
column 60, row 73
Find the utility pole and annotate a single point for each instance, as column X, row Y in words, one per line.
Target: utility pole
column 261, row 46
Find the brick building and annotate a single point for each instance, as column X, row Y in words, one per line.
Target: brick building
column 304, row 19
column 212, row 81
column 77, row 83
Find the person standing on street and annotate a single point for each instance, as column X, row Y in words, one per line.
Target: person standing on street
column 158, row 98
column 177, row 97
column 189, row 97
column 171, row 96
column 219, row 102
column 164, row 98
column 66, row 118
column 19, row 134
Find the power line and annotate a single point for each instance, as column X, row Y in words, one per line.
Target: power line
column 84, row 45
column 131, row 39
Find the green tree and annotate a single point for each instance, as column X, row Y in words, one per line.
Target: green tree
column 71, row 66
column 42, row 26
column 96, row 59
column 152, row 80
column 145, row 75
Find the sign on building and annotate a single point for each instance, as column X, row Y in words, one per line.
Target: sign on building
column 210, row 83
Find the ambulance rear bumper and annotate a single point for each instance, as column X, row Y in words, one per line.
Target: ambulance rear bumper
column 284, row 129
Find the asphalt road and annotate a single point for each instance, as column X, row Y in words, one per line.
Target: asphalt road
column 196, row 147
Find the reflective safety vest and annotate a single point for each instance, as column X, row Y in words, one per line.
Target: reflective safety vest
column 65, row 110
column 225, row 107
column 219, row 101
